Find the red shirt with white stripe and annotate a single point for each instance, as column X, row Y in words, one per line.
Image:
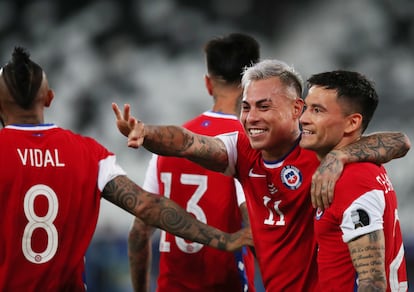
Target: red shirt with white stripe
column 212, row 198
column 280, row 210
column 364, row 201
column 50, row 184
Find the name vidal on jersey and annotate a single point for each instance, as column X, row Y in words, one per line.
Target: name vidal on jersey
column 39, row 157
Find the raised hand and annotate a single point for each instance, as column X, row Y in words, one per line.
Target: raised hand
column 122, row 120
column 136, row 134
column 129, row 126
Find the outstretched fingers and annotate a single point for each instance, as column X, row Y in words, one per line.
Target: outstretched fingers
column 122, row 119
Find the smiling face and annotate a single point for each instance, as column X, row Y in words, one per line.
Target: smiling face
column 270, row 116
column 325, row 125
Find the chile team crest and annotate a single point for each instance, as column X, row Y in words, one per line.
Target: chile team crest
column 291, row 177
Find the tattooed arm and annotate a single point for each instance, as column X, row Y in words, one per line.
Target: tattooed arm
column 206, row 151
column 244, row 213
column 163, row 213
column 378, row 148
column 368, row 257
column 139, row 255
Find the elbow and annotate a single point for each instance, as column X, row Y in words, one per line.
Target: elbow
column 406, row 144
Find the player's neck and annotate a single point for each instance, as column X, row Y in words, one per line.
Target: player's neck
column 227, row 103
column 23, row 118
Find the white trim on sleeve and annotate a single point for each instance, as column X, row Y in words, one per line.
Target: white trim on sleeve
column 230, row 141
column 371, row 204
column 108, row 170
column 151, row 180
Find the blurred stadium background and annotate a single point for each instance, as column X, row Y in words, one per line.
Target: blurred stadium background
column 149, row 54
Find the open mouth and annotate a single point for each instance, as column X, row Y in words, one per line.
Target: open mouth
column 307, row 132
column 255, row 132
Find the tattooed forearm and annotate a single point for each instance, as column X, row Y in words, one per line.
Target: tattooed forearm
column 207, row 151
column 370, row 285
column 139, row 254
column 161, row 212
column 245, row 214
column 378, row 148
column 331, row 163
column 368, row 257
column 171, row 219
column 181, row 223
column 121, row 191
column 167, row 140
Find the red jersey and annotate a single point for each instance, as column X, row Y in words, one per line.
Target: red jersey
column 280, row 210
column 50, row 185
column 211, row 197
column 364, row 196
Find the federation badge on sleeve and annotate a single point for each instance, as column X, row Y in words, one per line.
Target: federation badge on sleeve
column 291, row 177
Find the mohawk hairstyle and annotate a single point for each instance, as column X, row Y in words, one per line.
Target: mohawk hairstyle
column 23, row 77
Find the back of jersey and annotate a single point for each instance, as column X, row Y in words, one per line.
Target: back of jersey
column 49, row 205
column 396, row 267
column 211, row 198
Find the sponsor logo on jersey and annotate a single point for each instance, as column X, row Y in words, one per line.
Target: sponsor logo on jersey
column 291, row 177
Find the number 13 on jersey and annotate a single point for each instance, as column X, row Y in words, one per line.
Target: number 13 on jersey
column 192, row 207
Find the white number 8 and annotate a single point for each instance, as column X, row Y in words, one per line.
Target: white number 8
column 44, row 222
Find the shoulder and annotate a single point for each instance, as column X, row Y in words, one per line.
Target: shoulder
column 211, row 123
column 78, row 141
column 357, row 179
column 359, row 171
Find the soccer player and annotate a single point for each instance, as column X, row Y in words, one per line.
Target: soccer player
column 359, row 235
column 51, row 184
column 275, row 172
column 211, row 197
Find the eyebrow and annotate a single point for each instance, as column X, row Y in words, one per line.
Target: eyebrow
column 313, row 105
column 267, row 99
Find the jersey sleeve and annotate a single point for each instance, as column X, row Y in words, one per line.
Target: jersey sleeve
column 239, row 192
column 364, row 215
column 150, row 181
column 230, row 141
column 108, row 170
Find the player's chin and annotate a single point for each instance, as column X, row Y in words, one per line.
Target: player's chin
column 257, row 144
column 306, row 142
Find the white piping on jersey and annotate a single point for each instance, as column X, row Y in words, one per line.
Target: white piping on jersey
column 220, row 115
column 29, row 127
column 273, row 165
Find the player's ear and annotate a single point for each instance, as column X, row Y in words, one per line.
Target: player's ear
column 298, row 107
column 49, row 97
column 354, row 122
column 209, row 84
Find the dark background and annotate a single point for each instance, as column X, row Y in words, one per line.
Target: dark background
column 149, row 54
